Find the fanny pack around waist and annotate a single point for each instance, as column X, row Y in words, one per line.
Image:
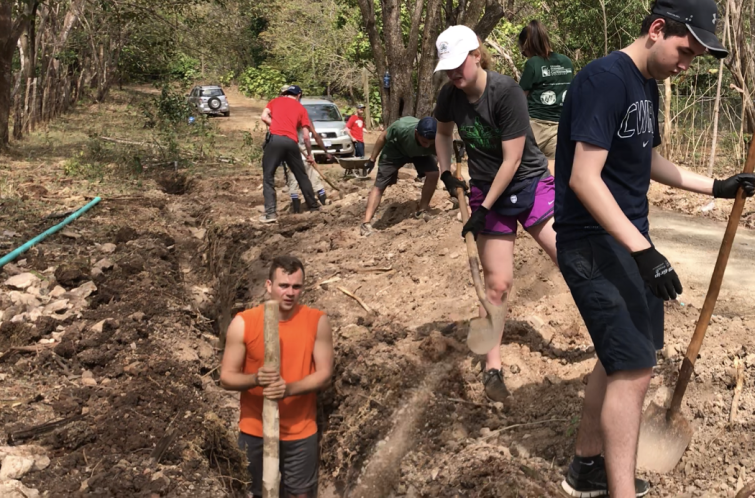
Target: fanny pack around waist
column 518, row 197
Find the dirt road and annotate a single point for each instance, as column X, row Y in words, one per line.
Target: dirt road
column 692, row 243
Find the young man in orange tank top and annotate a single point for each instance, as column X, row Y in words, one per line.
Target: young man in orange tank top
column 306, row 346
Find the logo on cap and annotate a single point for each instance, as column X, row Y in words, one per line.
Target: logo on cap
column 715, row 15
column 443, row 49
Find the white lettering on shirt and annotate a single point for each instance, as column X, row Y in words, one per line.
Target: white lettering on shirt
column 639, row 119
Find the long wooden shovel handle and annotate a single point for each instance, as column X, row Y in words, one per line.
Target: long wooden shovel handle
column 473, row 256
column 270, row 414
column 317, row 168
column 688, row 365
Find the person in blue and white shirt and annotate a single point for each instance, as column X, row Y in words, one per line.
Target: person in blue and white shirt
column 605, row 158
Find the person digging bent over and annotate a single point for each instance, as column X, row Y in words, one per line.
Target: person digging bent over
column 408, row 140
column 306, row 366
column 510, row 182
column 285, row 116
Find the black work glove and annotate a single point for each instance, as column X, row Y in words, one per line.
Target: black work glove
column 657, row 273
column 727, row 189
column 475, row 223
column 369, row 165
column 452, row 183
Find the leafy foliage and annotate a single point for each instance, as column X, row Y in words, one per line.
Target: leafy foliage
column 185, row 67
column 262, row 82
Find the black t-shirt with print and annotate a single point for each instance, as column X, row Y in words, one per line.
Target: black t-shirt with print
column 611, row 105
column 499, row 115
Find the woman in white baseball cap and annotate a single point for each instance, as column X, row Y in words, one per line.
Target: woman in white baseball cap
column 510, row 181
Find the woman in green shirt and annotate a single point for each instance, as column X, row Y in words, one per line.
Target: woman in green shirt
column 545, row 80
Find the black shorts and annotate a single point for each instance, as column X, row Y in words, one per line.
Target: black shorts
column 624, row 319
column 387, row 173
column 299, row 462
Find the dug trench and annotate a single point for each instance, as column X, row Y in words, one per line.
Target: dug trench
column 119, row 334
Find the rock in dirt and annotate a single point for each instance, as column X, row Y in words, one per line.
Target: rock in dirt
column 57, row 291
column 22, row 280
column 108, row 248
column 87, row 378
column 15, row 467
column 83, row 291
column 100, row 266
column 23, row 299
column 71, row 275
column 55, row 306
column 37, row 453
column 14, row 489
column 104, row 325
column 137, row 317
column 198, row 233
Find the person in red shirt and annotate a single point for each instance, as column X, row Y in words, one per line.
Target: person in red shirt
column 285, row 116
column 306, row 366
column 355, row 129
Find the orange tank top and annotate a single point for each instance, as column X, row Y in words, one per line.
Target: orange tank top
column 298, row 414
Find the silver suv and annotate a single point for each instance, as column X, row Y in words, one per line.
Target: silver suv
column 328, row 123
column 209, row 99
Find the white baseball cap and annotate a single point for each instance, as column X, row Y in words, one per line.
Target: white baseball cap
column 454, row 44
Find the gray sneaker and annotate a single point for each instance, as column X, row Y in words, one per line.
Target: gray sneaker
column 495, row 389
column 269, row 218
column 365, row 229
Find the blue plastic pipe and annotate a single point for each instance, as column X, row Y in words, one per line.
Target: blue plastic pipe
column 42, row 236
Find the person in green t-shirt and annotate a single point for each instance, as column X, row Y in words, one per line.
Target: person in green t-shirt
column 545, row 80
column 407, row 140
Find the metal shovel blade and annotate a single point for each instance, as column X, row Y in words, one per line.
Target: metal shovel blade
column 664, row 435
column 485, row 333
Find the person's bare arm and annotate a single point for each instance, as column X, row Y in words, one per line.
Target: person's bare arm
column 323, row 358
column 444, row 143
column 318, row 141
column 664, row 171
column 512, row 158
column 592, row 191
column 232, row 376
column 267, row 117
column 379, row 144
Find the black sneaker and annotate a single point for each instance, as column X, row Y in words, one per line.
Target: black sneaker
column 495, row 389
column 593, row 482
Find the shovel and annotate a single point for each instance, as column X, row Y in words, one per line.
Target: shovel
column 665, row 434
column 484, row 333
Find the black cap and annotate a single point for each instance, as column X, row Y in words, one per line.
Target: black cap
column 293, row 90
column 427, row 127
column 700, row 17
column 360, row 106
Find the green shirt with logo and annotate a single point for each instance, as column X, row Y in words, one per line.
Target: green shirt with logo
column 400, row 144
column 547, row 80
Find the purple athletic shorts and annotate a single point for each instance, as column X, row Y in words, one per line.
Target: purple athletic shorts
column 541, row 210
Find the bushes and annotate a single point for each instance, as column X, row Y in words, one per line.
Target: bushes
column 261, row 82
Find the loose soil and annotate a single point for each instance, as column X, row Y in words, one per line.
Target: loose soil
column 406, row 414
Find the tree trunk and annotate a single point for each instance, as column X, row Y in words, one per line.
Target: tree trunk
column 6, row 87
column 667, row 118
column 717, row 105
column 391, row 52
column 425, row 77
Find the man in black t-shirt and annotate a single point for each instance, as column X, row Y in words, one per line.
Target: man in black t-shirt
column 605, row 160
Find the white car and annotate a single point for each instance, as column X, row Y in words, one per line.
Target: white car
column 328, row 123
column 209, row 100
